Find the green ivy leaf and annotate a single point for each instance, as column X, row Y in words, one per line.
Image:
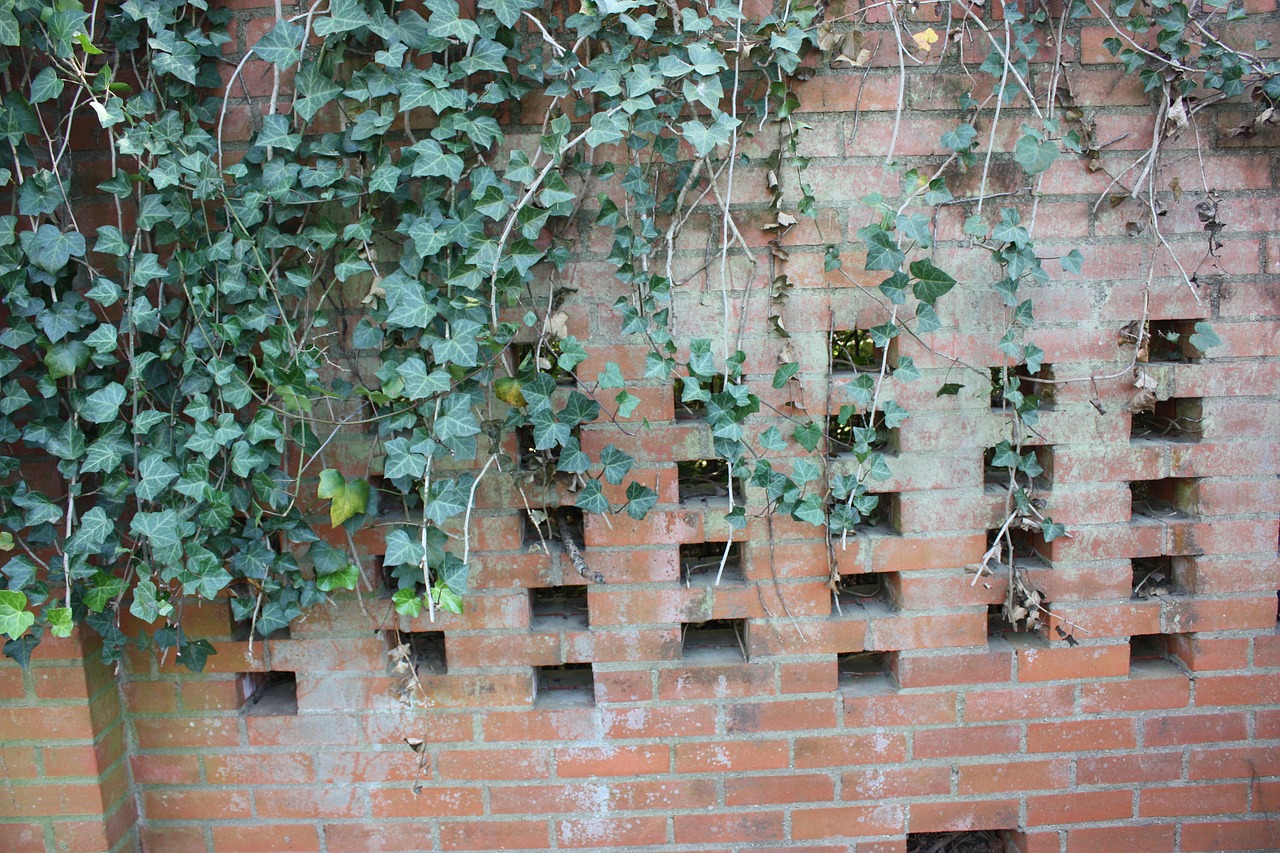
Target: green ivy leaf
column 930, row 282
column 344, row 578
column 15, row 619
column 282, row 45
column 59, row 619
column 1034, row 155
column 640, row 499
column 1204, row 337
column 591, row 498
column 147, row 605
column 808, row 436
column 50, row 248
column 344, row 16
column 103, row 405
column 407, row 602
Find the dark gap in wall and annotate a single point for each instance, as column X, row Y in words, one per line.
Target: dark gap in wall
column 998, row 623
column 853, row 350
column 386, row 501
column 529, row 456
column 388, row 578
column 426, row 652
column 541, row 525
column 700, row 563
column 548, row 355
column 852, row 666
column 1148, row 647
column 1152, row 577
column 689, row 409
column 700, row 479
column 240, row 632
column 842, row 438
column 1163, row 498
column 1176, row 419
column 567, row 684
column 268, row 694
column 714, row 638
column 968, row 841
column 875, row 511
column 559, row 608
column 1040, row 387
column 1169, row 341
column 856, row 591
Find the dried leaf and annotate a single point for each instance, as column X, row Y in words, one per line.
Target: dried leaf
column 925, row 39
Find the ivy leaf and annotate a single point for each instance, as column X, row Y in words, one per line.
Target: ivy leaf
column 882, row 252
column 548, row 432
column 102, row 590
column 572, row 458
column 626, row 403
column 811, row 509
column 931, row 282
column 344, row 16
column 103, row 405
column 1033, row 154
column 445, row 23
column 344, row 578
column 282, row 45
column 1072, row 262
column 771, row 439
column 50, row 248
column 448, row 498
column 591, row 498
column 195, row 654
column 15, row 619
column 1052, row 530
column 784, row 373
column 432, row 161
column 47, row 85
column 407, row 602
column 808, row 435
column 402, row 549
column 59, row 619
column 611, row 376
column 704, row 139
column 156, row 474
column 640, row 499
column 1204, row 337
column 616, row 464
column 961, row 138
column 147, row 605
column 1004, row 456
column 579, row 409
column 407, row 303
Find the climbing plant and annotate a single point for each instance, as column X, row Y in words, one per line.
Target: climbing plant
column 370, row 238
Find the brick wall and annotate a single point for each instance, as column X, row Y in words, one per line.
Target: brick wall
column 789, row 722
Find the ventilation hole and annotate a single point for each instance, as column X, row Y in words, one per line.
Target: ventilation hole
column 1164, row 498
column 702, row 479
column 700, row 563
column 856, row 591
column 541, row 526
column 392, row 579
column 998, row 623
column 240, row 633
column 1148, row 647
column 547, row 355
column 865, row 513
column 559, row 608
column 530, row 457
column 423, row 651
column 690, row 393
column 1022, row 391
column 854, row 665
column 853, row 350
column 970, row 841
column 268, row 694
column 715, row 638
column 386, row 501
column 569, row 684
column 1175, row 419
column 1169, row 341
column 849, row 432
column 1153, row 577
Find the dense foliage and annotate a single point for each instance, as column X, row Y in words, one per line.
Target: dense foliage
column 367, row 261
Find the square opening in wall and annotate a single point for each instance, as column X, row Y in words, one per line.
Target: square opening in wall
column 1165, row 498
column 1175, row 419
column 1153, row 577
column 544, row 358
column 865, row 513
column 700, row 563
column 1016, row 389
column 715, row 639
column 387, row 502
column 688, row 396
column 1015, row 545
column 707, row 479
column 268, row 694
column 852, row 666
column 853, row 350
column 1169, row 341
column 530, row 457
column 421, row 651
column 1148, row 647
column 998, row 623
column 241, row 630
column 391, row 579
column 855, row 592
column 849, row 432
column 566, row 685
column 559, row 608
column 541, row 527
column 968, row 841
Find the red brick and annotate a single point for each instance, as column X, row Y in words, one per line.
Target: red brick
column 966, row 740
column 266, row 838
column 501, row 763
column 1226, row 799
column 751, row 717
column 776, row 790
column 1121, row 769
column 1221, row 836
column 600, row 832
column 1151, row 685
column 495, row 835
column 1023, row 703
column 728, row 828
column 1063, row 664
column 874, row 702
column 847, row 821
column 1014, row 776
column 297, row 803
column 1081, row 736
column 193, row 805
column 1151, row 838
column 938, row 670
column 880, row 783
column 836, row 750
column 426, row 802
column 1243, row 762
column 1194, row 728
column 962, row 815
column 1079, row 807
column 1254, row 689
column 739, row 756
column 612, row 760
